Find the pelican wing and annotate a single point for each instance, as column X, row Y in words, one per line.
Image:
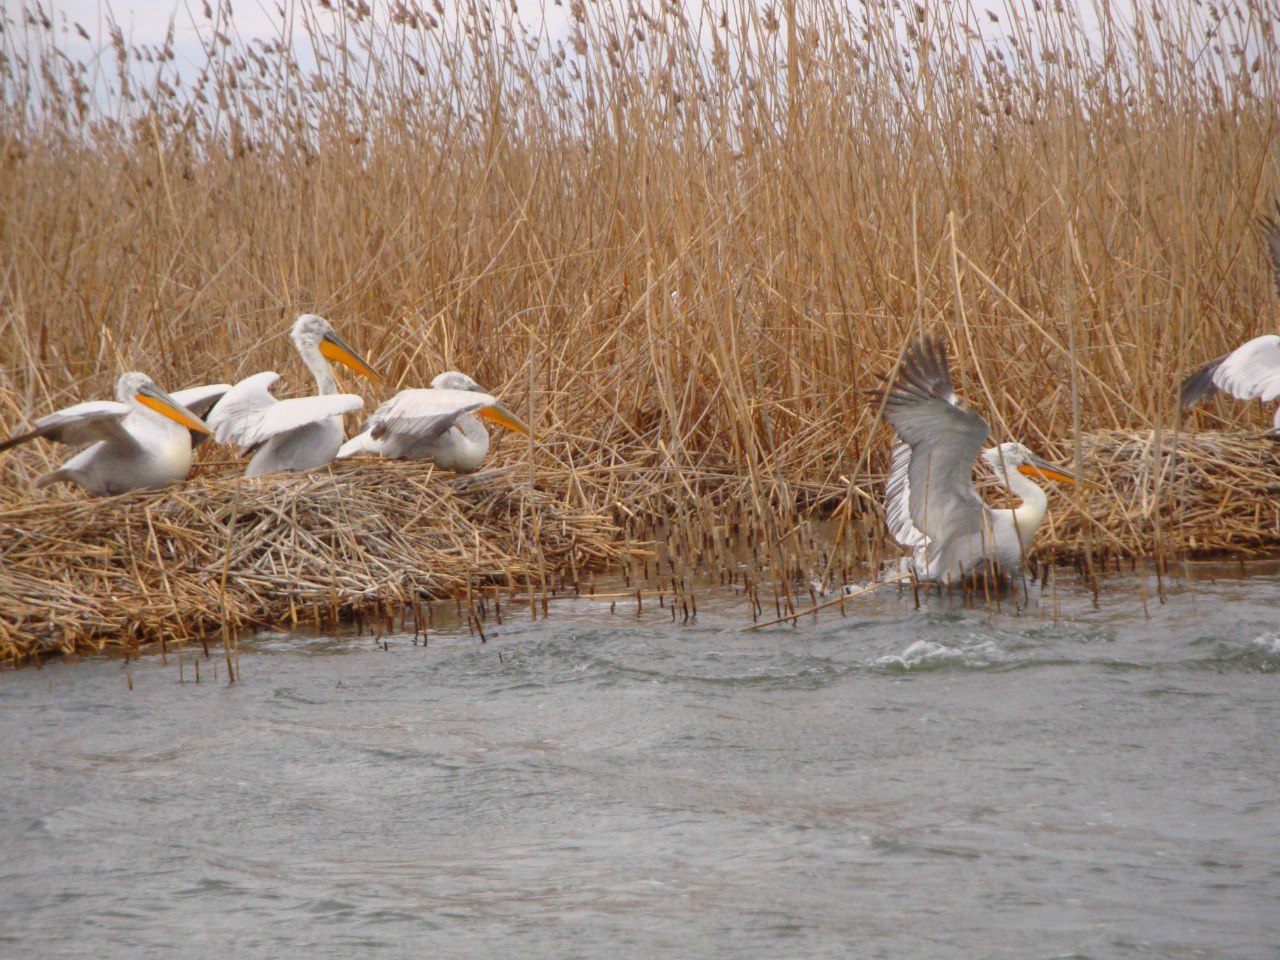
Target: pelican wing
column 897, row 499
column 241, row 408
column 944, row 439
column 1249, row 372
column 248, row 415
column 423, row 415
column 289, row 415
column 199, row 400
column 83, row 423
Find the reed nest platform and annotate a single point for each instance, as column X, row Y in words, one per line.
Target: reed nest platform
column 221, row 555
column 218, row 554
column 1164, row 496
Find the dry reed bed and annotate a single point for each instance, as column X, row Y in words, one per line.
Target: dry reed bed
column 223, row 554
column 1164, row 497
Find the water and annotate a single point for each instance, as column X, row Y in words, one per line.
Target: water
column 900, row 783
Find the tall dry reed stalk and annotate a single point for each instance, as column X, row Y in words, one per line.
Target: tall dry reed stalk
column 699, row 232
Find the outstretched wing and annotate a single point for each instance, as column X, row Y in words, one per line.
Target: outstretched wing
column 1249, row 372
column 288, row 415
column 423, row 415
column 83, row 423
column 1253, row 370
column 897, row 499
column 248, row 415
column 237, row 415
column 944, row 439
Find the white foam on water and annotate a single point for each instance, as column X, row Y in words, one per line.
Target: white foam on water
column 930, row 653
column 1269, row 645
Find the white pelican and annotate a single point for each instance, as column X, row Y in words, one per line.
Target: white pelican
column 140, row 440
column 440, row 424
column 931, row 504
column 295, row 434
column 1251, row 371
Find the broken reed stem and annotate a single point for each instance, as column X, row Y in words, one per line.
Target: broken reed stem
column 796, row 615
column 222, row 582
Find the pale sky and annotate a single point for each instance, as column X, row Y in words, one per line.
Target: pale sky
column 146, row 21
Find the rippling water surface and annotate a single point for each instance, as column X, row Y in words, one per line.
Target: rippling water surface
column 1067, row 780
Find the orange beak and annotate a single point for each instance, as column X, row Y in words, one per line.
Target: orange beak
column 1047, row 473
column 497, row 413
column 333, row 348
column 151, row 396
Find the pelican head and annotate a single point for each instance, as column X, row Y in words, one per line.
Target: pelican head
column 136, row 389
column 1014, row 456
column 453, row 380
column 311, row 333
column 494, row 413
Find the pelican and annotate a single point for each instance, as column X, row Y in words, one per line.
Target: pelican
column 296, row 434
column 140, row 440
column 440, row 424
column 931, row 504
column 1251, row 371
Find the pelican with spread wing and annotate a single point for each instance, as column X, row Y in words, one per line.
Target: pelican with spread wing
column 440, row 424
column 140, row 440
column 1251, row 371
column 300, row 433
column 931, row 504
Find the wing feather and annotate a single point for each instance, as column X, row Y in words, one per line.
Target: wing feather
column 1250, row 372
column 241, row 408
column 248, row 415
column 897, row 499
column 199, row 400
column 82, row 423
column 423, row 415
column 1200, row 384
column 944, row 439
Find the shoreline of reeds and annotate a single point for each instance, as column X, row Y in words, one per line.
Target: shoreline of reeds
column 211, row 559
column 375, row 541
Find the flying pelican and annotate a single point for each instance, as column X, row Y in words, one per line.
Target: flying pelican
column 140, row 440
column 440, row 424
column 1251, row 371
column 931, row 505
column 295, row 434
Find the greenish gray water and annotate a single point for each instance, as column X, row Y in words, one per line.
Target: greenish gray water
column 901, row 783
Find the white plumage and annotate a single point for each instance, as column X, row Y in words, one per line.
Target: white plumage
column 1251, row 371
column 440, row 424
column 140, row 440
column 931, row 504
column 295, row 434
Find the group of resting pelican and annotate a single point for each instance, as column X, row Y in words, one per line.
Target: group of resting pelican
column 144, row 438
